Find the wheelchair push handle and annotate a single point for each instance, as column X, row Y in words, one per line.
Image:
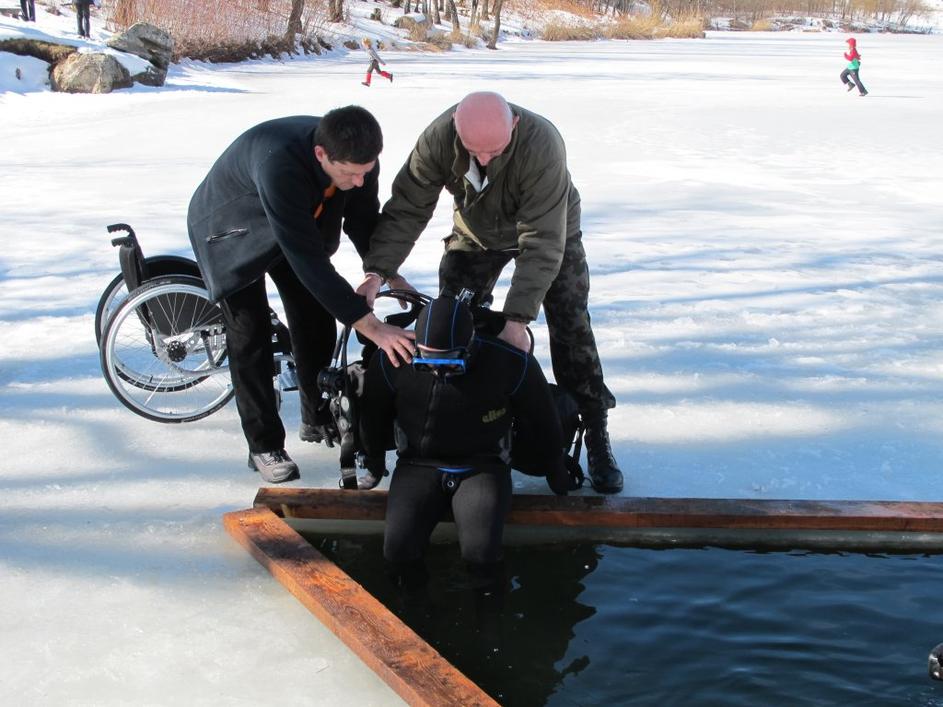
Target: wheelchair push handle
column 127, row 240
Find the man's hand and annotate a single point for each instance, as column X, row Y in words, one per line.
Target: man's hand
column 398, row 282
column 396, row 342
column 515, row 333
column 368, row 288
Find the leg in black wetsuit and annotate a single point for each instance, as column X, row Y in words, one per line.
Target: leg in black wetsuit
column 417, row 501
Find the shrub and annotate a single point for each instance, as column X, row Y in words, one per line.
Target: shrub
column 234, row 28
column 632, row 27
column 555, row 31
column 689, row 28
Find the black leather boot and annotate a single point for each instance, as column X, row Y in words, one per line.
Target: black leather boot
column 604, row 473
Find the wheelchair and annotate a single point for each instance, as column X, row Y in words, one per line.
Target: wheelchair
column 162, row 342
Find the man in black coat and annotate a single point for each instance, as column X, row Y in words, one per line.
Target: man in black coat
column 274, row 203
column 453, row 409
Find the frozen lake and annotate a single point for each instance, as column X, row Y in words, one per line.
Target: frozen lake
column 765, row 251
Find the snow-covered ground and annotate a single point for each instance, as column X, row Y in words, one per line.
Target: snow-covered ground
column 767, row 295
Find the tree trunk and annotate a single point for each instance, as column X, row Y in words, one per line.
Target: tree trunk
column 294, row 18
column 484, row 10
column 456, row 26
column 436, row 17
column 497, row 24
column 337, row 11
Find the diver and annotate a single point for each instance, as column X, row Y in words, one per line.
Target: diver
column 452, row 412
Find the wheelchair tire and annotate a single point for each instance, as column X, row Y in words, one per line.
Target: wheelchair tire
column 163, row 349
column 116, row 292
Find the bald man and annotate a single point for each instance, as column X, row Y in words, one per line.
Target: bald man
column 514, row 200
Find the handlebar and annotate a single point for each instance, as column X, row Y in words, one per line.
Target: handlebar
column 127, row 240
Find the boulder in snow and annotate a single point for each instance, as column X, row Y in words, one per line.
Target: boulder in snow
column 411, row 20
column 151, row 76
column 146, row 41
column 90, row 73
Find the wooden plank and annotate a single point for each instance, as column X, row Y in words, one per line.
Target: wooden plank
column 409, row 665
column 625, row 512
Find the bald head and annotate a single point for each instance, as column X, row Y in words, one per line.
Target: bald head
column 484, row 123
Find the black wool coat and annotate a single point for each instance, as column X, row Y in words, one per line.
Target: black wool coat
column 257, row 205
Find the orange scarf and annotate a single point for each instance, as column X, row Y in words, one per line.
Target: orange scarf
column 328, row 193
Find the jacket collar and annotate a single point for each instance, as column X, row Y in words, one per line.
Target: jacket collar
column 321, row 179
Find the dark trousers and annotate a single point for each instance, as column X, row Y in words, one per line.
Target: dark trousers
column 28, row 10
column 82, row 15
column 249, row 341
column 853, row 75
column 417, row 501
column 573, row 353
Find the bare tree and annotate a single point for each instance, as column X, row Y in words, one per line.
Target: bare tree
column 493, row 43
column 453, row 13
column 294, row 18
column 335, row 11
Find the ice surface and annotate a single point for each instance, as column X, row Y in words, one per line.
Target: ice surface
column 766, row 262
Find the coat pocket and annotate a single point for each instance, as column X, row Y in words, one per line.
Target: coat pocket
column 231, row 233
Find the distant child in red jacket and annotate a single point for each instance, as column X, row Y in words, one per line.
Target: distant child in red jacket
column 854, row 63
column 375, row 62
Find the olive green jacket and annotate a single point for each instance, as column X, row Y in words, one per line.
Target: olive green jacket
column 529, row 205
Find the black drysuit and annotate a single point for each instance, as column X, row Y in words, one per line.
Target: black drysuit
column 457, row 429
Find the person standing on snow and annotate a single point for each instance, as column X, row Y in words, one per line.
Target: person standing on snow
column 375, row 62
column 28, row 10
column 82, row 16
column 849, row 76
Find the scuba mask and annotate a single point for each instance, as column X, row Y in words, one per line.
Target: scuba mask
column 442, row 364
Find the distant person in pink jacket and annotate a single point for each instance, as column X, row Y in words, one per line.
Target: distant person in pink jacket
column 375, row 62
column 849, row 76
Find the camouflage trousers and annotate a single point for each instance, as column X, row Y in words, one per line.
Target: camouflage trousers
column 573, row 353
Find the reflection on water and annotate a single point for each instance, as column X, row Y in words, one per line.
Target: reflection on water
column 584, row 624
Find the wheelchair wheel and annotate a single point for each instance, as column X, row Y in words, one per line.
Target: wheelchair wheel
column 163, row 351
column 117, row 292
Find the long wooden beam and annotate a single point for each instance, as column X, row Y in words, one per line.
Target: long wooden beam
column 624, row 512
column 409, row 665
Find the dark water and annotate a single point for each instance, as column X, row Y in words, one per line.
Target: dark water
column 599, row 624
